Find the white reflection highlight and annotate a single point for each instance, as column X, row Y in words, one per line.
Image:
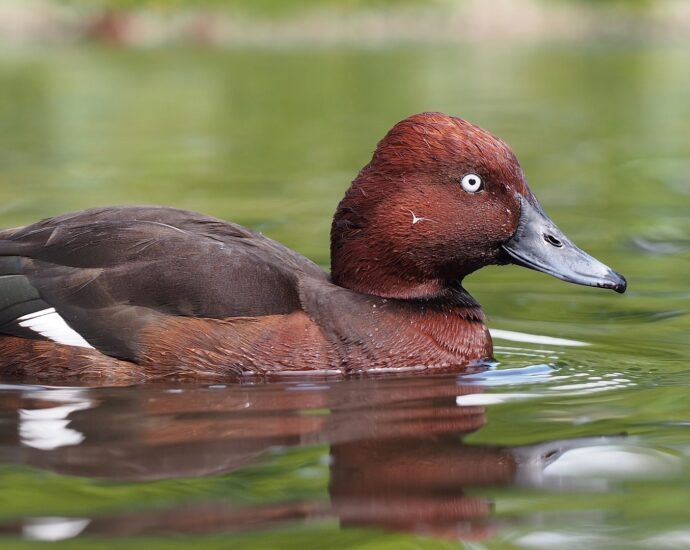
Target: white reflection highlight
column 672, row 539
column 555, row 539
column 512, row 376
column 512, row 336
column 48, row 428
column 480, row 399
column 614, row 461
column 53, row 528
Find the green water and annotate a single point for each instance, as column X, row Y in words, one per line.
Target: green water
column 579, row 441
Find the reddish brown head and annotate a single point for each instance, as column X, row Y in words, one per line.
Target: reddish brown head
column 407, row 226
column 440, row 199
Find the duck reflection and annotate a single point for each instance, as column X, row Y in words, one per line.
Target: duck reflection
column 397, row 457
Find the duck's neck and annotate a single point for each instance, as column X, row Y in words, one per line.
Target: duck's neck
column 377, row 280
column 428, row 297
column 453, row 300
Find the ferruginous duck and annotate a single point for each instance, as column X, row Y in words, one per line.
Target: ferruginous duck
column 141, row 292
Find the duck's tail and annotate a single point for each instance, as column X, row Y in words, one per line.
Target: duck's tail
column 19, row 299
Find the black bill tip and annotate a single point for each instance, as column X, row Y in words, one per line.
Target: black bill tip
column 620, row 285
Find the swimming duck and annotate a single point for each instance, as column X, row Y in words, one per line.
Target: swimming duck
column 145, row 292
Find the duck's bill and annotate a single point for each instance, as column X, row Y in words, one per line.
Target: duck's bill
column 540, row 245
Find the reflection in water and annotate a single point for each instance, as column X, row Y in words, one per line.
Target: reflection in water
column 48, row 427
column 394, row 450
column 52, row 529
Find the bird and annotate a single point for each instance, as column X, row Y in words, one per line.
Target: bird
column 137, row 293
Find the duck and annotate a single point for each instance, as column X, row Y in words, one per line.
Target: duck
column 139, row 293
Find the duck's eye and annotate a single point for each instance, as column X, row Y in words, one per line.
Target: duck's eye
column 472, row 183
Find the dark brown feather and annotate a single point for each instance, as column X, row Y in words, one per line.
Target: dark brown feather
column 111, row 272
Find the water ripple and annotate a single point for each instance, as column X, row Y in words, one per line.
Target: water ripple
column 511, row 376
column 660, row 246
column 534, row 338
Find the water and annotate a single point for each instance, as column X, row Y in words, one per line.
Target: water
column 579, row 435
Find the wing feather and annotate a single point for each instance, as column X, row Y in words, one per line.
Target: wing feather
column 109, row 272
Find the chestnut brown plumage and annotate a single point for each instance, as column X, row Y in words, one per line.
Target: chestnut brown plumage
column 152, row 292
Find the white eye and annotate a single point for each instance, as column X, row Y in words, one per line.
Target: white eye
column 472, row 183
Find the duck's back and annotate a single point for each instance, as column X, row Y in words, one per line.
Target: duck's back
column 101, row 276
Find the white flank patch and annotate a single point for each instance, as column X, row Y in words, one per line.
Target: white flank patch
column 534, row 338
column 48, row 323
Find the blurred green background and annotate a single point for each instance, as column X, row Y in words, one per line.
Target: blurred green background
column 263, row 112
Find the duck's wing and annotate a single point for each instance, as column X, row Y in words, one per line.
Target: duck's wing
column 98, row 277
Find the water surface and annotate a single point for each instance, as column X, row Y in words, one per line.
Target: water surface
column 578, row 435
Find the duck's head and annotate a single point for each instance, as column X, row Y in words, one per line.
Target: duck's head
column 440, row 199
